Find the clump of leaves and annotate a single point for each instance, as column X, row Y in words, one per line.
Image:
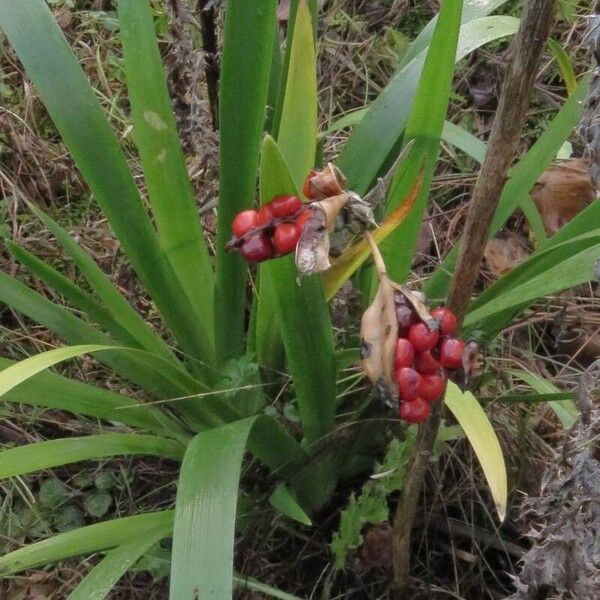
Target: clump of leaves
column 370, row 506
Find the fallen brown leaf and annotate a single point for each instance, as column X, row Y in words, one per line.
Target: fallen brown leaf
column 504, row 254
column 562, row 192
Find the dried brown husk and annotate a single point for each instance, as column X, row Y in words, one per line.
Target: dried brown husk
column 326, row 182
column 379, row 328
column 312, row 251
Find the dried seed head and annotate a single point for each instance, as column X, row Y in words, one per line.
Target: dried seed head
column 329, row 181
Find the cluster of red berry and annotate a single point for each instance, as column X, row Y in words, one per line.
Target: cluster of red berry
column 424, row 358
column 272, row 231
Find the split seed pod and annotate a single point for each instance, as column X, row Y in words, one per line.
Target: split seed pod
column 379, row 329
column 324, row 183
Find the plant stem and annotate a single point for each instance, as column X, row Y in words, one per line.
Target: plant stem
column 526, row 50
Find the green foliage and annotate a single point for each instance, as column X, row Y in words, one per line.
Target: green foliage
column 370, row 507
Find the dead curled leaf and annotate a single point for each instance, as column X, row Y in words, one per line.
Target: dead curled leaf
column 562, row 192
column 312, row 250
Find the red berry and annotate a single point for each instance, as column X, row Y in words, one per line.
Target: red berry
column 416, row 411
column 302, row 218
column 432, row 387
column 243, row 222
column 408, row 383
column 406, row 318
column 265, row 215
column 257, row 248
column 447, row 320
column 422, row 338
column 426, row 363
column 451, row 353
column 284, row 206
column 307, row 189
column 285, row 238
column 404, row 354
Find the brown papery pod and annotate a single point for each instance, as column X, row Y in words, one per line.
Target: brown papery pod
column 312, row 250
column 379, row 330
column 328, row 181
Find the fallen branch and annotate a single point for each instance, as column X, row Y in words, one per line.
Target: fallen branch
column 526, row 50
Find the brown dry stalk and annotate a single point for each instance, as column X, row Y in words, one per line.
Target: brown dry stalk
column 525, row 50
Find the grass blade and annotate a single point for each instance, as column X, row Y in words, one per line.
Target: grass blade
column 483, row 439
column 169, row 189
column 55, row 453
column 71, row 292
column 242, row 583
column 49, row 62
column 98, row 583
column 109, row 295
column 522, row 178
column 372, row 142
column 303, row 316
column 247, row 52
column 565, row 65
column 203, row 538
column 298, row 129
column 85, row 540
column 425, row 127
column 565, row 410
column 54, row 391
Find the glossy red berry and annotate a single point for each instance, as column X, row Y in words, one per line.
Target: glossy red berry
column 451, row 353
column 426, row 363
column 285, row 238
column 265, row 214
column 302, row 218
column 447, row 320
column 416, row 411
column 431, row 387
column 422, row 338
column 408, row 383
column 257, row 248
column 406, row 318
column 243, row 222
column 404, row 354
column 307, row 189
column 285, row 206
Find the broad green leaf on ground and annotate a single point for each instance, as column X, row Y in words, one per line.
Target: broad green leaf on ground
column 483, row 439
column 205, row 511
column 565, row 410
column 85, row 540
column 245, row 67
column 169, row 189
column 53, row 453
column 98, row 583
column 49, row 62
